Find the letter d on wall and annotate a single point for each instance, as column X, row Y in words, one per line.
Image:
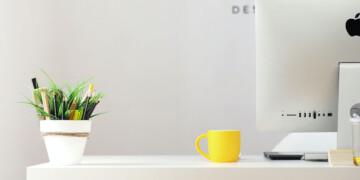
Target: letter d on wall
column 235, row 9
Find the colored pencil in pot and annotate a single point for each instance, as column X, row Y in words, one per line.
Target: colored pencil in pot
column 55, row 104
column 86, row 105
column 91, row 89
column 44, row 95
column 73, row 105
column 89, row 113
column 63, row 109
column 76, row 115
column 37, row 96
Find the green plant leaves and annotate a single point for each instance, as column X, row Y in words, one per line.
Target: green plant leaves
column 70, row 94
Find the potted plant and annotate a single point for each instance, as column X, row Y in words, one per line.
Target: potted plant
column 64, row 115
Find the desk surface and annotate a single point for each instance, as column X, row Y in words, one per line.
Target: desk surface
column 188, row 167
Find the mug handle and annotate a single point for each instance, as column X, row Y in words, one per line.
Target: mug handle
column 198, row 147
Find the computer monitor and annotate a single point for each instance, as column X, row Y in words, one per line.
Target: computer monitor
column 299, row 44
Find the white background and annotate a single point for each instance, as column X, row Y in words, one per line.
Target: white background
column 171, row 69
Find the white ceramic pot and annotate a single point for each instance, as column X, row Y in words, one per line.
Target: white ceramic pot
column 65, row 140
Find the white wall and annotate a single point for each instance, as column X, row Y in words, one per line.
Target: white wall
column 172, row 70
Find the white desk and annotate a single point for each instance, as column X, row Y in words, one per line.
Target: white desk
column 189, row 167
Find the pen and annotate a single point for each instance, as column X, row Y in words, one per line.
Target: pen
column 63, row 109
column 35, row 84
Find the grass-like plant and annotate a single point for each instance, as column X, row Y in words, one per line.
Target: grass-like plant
column 71, row 94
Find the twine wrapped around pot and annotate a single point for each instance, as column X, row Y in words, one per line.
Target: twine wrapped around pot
column 65, row 134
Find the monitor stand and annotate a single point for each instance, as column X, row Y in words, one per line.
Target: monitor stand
column 349, row 95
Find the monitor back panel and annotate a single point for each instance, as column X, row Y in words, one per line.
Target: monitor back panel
column 298, row 46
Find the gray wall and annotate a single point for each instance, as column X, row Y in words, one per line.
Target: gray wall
column 172, row 70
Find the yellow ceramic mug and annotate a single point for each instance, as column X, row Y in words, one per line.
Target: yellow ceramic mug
column 224, row 146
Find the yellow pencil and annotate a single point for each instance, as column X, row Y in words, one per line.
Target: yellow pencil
column 76, row 115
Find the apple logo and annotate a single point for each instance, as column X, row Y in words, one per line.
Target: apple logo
column 353, row 26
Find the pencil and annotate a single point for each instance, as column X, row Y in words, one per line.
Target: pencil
column 76, row 115
column 45, row 100
column 63, row 109
column 86, row 105
column 37, row 96
column 91, row 89
column 55, row 105
column 73, row 105
column 92, row 109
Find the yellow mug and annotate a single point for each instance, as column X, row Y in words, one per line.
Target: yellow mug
column 223, row 145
